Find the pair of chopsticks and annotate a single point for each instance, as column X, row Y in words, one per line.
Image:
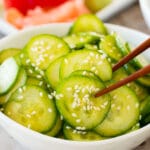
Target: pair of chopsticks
column 141, row 48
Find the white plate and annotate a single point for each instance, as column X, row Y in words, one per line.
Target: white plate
column 113, row 8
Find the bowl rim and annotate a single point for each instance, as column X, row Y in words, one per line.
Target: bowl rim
column 25, row 130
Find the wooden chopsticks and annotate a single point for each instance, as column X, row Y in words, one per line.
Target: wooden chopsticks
column 142, row 47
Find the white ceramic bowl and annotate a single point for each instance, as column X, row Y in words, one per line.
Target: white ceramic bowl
column 36, row 141
column 145, row 8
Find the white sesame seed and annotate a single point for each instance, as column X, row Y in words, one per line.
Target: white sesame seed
column 50, row 96
column 100, row 62
column 68, row 127
column 33, row 112
column 41, row 94
column 21, row 55
column 66, row 61
column 128, row 107
column 128, row 96
column 20, row 90
column 78, row 120
column 28, row 115
column 59, row 46
column 39, row 76
column 113, row 105
column 118, row 108
column 49, row 110
column 28, row 61
column 136, row 105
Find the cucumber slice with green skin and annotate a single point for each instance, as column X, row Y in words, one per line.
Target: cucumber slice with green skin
column 44, row 49
column 78, row 40
column 76, row 102
column 32, row 107
column 86, row 60
column 145, row 120
column 124, row 113
column 109, row 46
column 52, row 72
column 56, row 129
column 9, row 71
column 35, row 81
column 88, row 23
column 145, row 107
column 77, row 135
column 91, row 46
column 140, row 90
column 6, row 53
column 145, row 80
column 21, row 80
column 85, row 73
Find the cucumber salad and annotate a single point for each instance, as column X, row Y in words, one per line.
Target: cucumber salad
column 49, row 85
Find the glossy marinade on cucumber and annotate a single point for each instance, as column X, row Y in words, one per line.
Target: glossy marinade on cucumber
column 49, row 85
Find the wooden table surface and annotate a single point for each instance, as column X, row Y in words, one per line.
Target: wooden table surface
column 131, row 17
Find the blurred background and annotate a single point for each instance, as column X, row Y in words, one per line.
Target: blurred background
column 19, row 14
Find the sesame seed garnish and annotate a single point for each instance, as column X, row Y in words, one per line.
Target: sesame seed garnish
column 49, row 110
column 78, row 120
column 128, row 107
column 74, row 115
column 68, row 127
column 59, row 46
column 118, row 108
column 128, row 96
column 21, row 55
column 39, row 76
column 66, row 61
column 41, row 94
column 20, row 90
column 136, row 105
column 28, row 61
column 50, row 96
column 28, row 115
column 41, row 83
column 33, row 112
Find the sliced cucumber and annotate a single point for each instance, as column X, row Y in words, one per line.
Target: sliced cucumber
column 145, row 107
column 21, row 80
column 6, row 53
column 145, row 120
column 78, row 40
column 45, row 48
column 87, row 23
column 86, row 60
column 37, row 82
column 76, row 102
column 109, row 45
column 77, row 135
column 8, row 74
column 56, row 128
column 85, row 73
column 140, row 91
column 31, row 107
column 52, row 72
column 145, row 80
column 124, row 113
